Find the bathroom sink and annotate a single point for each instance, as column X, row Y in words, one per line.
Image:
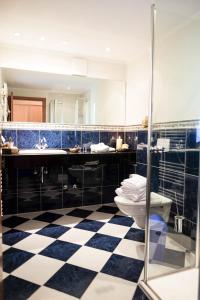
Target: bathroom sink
column 42, row 151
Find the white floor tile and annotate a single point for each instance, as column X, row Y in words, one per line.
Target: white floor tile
column 5, row 229
column 77, row 236
column 68, row 221
column 45, row 293
column 91, row 207
column 38, row 269
column 34, row 243
column 31, row 226
column 5, row 275
column 173, row 245
column 62, row 211
column 90, row 258
column 5, row 247
column 100, row 216
column 106, row 287
column 131, row 249
column 30, row 215
column 114, row 230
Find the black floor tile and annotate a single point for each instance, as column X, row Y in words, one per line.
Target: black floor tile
column 71, row 280
column 60, row 250
column 123, row 267
column 103, row 242
column 18, row 289
column 14, row 258
column 52, row 230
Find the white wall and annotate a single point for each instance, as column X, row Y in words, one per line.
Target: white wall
column 177, row 70
column 138, row 90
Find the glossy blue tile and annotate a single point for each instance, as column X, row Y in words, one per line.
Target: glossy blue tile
column 13, row 221
column 53, row 138
column 60, row 250
column 90, row 136
column 48, row 217
column 135, row 234
column 10, row 133
column 191, row 197
column 13, row 258
column 71, row 280
column 53, row 230
column 141, row 169
column 71, row 138
column 142, row 136
column 103, row 242
column 175, row 158
column 123, row 267
column 192, row 163
column 14, row 236
column 108, row 209
column 107, row 137
column 89, row 225
column 131, row 139
column 18, row 289
column 80, row 213
column 139, row 295
column 122, row 220
column 141, row 156
column 193, row 138
column 27, row 139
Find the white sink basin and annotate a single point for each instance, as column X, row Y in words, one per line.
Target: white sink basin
column 42, row 151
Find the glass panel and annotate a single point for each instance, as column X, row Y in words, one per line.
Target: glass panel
column 175, row 153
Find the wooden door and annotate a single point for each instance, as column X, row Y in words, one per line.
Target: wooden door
column 26, row 109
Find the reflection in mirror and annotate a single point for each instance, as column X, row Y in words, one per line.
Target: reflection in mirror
column 56, row 98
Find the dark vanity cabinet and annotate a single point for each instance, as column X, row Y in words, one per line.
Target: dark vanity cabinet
column 46, row 182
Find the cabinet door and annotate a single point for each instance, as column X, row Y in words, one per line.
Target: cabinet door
column 51, row 186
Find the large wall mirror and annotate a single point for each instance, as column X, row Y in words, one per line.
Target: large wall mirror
column 56, row 98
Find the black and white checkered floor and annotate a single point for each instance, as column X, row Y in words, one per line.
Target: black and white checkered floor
column 93, row 253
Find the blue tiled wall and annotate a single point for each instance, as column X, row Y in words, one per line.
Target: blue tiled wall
column 175, row 173
column 27, row 139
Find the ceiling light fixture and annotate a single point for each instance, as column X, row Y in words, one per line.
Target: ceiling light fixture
column 107, row 49
column 42, row 38
column 65, row 43
column 16, row 34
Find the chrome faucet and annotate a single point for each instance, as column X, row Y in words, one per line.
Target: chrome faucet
column 42, row 144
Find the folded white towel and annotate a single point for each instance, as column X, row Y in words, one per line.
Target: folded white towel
column 135, row 182
column 131, row 196
column 101, row 147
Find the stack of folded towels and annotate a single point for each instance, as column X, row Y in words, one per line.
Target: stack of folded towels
column 133, row 188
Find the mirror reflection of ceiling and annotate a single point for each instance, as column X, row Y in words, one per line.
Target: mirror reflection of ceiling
column 25, row 79
column 110, row 29
column 68, row 99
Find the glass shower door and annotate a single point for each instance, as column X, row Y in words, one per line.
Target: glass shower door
column 172, row 254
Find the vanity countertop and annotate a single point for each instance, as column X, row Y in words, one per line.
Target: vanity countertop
column 41, row 153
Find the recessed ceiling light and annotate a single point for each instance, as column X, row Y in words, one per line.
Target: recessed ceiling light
column 16, row 34
column 42, row 38
column 65, row 43
column 107, row 49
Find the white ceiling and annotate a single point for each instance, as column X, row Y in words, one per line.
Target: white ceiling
column 88, row 26
column 24, row 79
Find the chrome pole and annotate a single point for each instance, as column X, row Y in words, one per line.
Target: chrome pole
column 198, row 233
column 148, row 189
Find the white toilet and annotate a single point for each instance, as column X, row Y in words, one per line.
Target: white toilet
column 137, row 210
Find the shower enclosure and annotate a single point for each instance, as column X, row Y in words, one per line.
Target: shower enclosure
column 172, row 247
